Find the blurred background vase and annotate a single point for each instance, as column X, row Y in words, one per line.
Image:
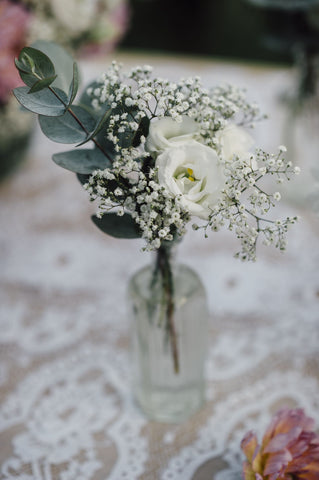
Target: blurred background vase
column 298, row 37
column 301, row 126
column 168, row 354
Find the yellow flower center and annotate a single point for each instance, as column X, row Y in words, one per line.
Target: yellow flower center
column 190, row 172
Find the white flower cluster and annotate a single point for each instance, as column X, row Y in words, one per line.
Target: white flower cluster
column 155, row 97
column 179, row 153
column 127, row 187
column 245, row 202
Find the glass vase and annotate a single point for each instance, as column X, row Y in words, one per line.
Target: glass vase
column 300, row 130
column 169, row 338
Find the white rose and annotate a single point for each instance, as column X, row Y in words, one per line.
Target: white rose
column 234, row 140
column 192, row 171
column 166, row 133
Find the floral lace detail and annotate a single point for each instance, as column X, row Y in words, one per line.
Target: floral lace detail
column 248, row 409
column 64, row 406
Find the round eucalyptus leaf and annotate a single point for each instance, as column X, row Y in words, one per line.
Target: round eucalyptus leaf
column 117, row 226
column 62, row 61
column 82, row 161
column 44, row 102
column 66, row 129
column 36, row 63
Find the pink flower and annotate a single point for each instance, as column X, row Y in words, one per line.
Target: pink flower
column 14, row 21
column 289, row 450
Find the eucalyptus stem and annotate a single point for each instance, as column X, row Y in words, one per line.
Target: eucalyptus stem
column 164, row 266
column 80, row 123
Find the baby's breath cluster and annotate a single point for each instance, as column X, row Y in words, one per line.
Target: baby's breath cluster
column 245, row 203
column 181, row 151
column 132, row 189
column 138, row 94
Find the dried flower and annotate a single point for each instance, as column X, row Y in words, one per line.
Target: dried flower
column 289, row 450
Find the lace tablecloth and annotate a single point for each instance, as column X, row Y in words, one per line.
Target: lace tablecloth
column 66, row 408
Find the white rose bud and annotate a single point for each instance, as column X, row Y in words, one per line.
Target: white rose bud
column 166, row 132
column 192, row 171
column 235, row 140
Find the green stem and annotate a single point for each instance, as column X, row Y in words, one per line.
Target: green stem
column 80, row 123
column 164, row 267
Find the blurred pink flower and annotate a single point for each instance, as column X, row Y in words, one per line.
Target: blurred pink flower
column 14, row 19
column 289, row 450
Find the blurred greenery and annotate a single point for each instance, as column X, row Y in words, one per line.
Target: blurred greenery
column 229, row 28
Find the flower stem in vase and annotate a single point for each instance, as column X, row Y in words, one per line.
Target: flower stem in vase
column 163, row 265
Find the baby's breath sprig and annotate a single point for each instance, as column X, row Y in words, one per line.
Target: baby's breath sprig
column 244, row 204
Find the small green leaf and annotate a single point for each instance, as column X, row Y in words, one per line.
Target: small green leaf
column 116, row 226
column 22, row 67
column 73, row 90
column 83, row 178
column 82, row 161
column 143, row 129
column 62, row 60
column 66, row 129
column 36, row 66
column 98, row 127
column 44, row 102
column 41, row 84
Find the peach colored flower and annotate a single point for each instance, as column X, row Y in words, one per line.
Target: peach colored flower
column 289, row 450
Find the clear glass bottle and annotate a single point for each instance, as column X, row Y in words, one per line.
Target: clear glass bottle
column 168, row 360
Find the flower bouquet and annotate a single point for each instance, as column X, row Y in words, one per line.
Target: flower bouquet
column 162, row 155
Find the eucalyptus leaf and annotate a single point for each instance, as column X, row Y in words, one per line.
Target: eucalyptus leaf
column 82, row 161
column 83, row 178
column 44, row 102
column 117, row 226
column 66, row 129
column 73, row 90
column 22, row 67
column 37, row 66
column 98, row 127
column 41, row 84
column 62, row 60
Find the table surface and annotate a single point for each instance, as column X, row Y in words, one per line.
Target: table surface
column 66, row 408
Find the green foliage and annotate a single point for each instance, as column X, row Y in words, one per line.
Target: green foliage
column 116, row 226
column 73, row 90
column 143, row 129
column 82, row 161
column 52, row 82
column 62, row 61
column 44, row 102
column 98, row 127
column 66, row 129
column 33, row 66
column 41, row 84
column 83, row 178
